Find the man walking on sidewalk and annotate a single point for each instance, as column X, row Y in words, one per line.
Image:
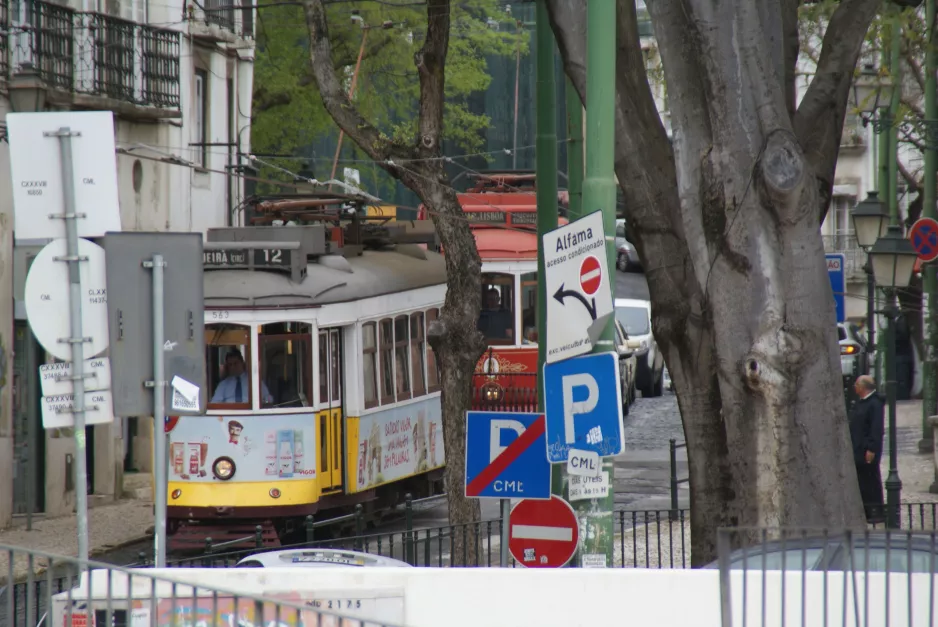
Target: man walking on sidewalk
column 866, row 434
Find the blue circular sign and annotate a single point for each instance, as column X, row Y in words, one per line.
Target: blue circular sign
column 924, row 238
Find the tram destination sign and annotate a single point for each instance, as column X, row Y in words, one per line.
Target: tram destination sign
column 260, row 257
column 278, row 256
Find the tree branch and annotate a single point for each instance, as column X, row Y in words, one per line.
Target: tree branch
column 819, row 121
column 431, row 61
column 916, row 70
column 791, row 46
column 914, row 184
column 376, row 144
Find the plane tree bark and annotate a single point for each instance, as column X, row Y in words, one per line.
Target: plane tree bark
column 726, row 222
column 419, row 166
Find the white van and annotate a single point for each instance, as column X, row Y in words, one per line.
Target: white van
column 635, row 317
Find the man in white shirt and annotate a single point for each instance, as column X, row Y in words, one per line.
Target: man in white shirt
column 234, row 388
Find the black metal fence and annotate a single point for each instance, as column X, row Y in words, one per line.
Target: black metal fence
column 107, row 596
column 800, row 577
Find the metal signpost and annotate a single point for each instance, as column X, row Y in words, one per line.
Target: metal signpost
column 42, row 197
column 157, row 339
column 544, row 534
column 836, row 272
column 496, row 469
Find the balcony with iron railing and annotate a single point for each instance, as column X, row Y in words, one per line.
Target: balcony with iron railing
column 854, row 256
column 222, row 20
column 92, row 60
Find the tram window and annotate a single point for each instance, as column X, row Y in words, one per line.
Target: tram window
column 497, row 318
column 286, row 364
column 227, row 362
column 529, row 308
column 401, row 358
column 433, row 370
column 387, row 361
column 417, row 353
column 370, row 363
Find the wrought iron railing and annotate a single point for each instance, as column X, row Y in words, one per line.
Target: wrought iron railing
column 220, row 12
column 93, row 54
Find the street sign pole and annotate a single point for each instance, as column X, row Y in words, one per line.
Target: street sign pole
column 546, row 155
column 599, row 193
column 930, row 271
column 77, row 340
column 159, row 411
column 505, row 505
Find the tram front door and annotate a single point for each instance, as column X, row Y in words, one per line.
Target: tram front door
column 330, row 413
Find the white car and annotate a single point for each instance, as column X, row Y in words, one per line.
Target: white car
column 854, row 354
column 635, row 317
column 317, row 558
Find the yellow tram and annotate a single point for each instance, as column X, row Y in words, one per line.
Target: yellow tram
column 324, row 392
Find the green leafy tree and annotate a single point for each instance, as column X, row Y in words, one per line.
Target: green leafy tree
column 288, row 114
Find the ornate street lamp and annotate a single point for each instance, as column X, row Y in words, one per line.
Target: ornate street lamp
column 893, row 259
column 27, row 90
column 870, row 220
column 872, row 93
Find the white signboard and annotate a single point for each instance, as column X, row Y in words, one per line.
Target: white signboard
column 584, row 488
column 57, row 410
column 47, row 299
column 579, row 287
column 36, row 170
column 399, row 442
column 583, row 463
column 55, row 377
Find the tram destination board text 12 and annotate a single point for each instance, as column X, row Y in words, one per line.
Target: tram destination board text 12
column 243, row 257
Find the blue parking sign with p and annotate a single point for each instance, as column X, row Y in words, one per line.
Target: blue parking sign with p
column 583, row 406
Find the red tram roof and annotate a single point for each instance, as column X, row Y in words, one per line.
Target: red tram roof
column 504, row 244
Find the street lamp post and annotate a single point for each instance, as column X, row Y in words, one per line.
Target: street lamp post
column 892, row 258
column 870, row 220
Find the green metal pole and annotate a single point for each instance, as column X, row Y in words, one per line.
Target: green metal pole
column 930, row 384
column 574, row 151
column 597, row 525
column 896, row 71
column 546, row 168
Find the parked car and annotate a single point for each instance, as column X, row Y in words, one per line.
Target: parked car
column 626, row 255
column 635, row 317
column 627, row 367
column 901, row 553
column 317, row 558
column 854, row 353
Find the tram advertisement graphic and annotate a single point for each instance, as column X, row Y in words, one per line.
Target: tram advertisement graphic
column 399, row 442
column 261, row 447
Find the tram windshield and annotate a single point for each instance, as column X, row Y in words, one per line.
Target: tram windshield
column 497, row 318
column 286, row 364
column 227, row 360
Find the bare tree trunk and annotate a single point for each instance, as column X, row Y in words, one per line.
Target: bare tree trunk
column 454, row 338
column 727, row 226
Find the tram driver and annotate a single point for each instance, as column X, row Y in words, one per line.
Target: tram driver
column 495, row 322
column 234, row 387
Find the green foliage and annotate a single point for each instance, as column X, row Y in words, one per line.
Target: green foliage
column 288, row 115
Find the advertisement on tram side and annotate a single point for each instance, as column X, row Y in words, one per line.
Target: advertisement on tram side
column 400, row 442
column 260, row 447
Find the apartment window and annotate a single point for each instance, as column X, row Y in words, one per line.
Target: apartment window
column 842, row 227
column 201, row 117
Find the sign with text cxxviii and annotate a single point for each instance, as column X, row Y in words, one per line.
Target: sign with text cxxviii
column 579, row 287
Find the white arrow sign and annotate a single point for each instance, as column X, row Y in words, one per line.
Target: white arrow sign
column 579, row 303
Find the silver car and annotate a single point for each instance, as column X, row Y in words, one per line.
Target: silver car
column 626, row 255
column 317, row 558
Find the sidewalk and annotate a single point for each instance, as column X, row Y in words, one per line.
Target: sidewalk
column 110, row 526
column 916, row 470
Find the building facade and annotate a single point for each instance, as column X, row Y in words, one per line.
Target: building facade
column 178, row 77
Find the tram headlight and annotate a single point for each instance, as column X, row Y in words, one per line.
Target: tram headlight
column 492, row 392
column 223, row 468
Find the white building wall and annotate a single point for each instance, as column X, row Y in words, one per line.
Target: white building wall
column 154, row 196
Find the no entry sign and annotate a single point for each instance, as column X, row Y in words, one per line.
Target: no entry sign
column 543, row 534
column 591, row 275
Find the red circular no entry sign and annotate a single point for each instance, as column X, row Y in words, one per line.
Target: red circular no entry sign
column 591, row 275
column 543, row 534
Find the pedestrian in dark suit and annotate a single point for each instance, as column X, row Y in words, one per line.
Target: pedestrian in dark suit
column 866, row 434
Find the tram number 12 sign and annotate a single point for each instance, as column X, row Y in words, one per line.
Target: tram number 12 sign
column 243, row 257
